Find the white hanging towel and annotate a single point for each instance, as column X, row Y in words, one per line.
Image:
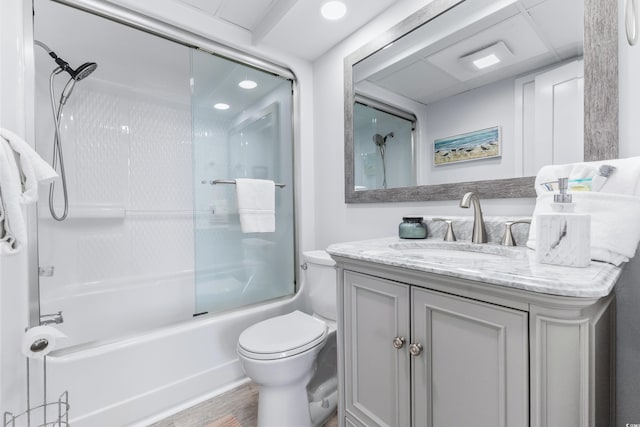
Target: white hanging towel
column 33, row 169
column 21, row 168
column 256, row 205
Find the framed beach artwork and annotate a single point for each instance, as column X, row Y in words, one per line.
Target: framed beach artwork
column 479, row 144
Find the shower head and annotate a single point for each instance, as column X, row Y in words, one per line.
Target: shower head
column 381, row 140
column 79, row 73
column 83, row 71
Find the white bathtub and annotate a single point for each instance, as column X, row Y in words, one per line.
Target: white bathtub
column 142, row 378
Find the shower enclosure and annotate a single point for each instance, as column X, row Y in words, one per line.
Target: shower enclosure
column 150, row 239
column 384, row 151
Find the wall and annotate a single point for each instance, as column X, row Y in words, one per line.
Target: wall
column 480, row 108
column 361, row 221
column 628, row 291
column 15, row 105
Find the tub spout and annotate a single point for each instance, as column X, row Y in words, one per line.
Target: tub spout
column 479, row 234
column 51, row 318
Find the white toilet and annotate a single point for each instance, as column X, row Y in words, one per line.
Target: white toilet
column 279, row 354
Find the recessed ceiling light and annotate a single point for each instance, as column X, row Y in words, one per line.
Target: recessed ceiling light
column 221, row 106
column 486, row 61
column 248, row 84
column 497, row 53
column 333, row 10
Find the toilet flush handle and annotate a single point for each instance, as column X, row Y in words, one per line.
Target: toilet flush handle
column 304, row 266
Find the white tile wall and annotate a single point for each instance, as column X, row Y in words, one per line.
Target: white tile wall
column 128, row 150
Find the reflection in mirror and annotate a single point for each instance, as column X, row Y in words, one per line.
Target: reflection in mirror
column 499, row 84
column 383, row 144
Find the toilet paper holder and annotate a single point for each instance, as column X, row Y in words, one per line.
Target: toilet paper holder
column 47, row 413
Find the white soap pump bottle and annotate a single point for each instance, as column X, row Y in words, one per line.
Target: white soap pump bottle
column 563, row 237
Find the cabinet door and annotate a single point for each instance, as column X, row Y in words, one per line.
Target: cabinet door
column 376, row 373
column 473, row 369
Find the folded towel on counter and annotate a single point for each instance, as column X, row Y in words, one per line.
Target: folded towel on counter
column 614, row 209
column 256, row 205
column 20, row 170
column 625, row 179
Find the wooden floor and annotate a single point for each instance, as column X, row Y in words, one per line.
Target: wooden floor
column 236, row 408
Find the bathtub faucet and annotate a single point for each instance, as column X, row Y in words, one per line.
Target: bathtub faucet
column 51, row 318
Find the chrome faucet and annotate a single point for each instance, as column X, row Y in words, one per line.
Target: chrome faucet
column 479, row 234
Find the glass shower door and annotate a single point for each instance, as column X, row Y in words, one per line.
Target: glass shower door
column 240, row 133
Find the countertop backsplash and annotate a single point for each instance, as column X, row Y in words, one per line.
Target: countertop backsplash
column 463, row 226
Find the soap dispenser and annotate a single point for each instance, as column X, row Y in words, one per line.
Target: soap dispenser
column 563, row 237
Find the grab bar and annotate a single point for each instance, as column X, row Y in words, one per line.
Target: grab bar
column 233, row 181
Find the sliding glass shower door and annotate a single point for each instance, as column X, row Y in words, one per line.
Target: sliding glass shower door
column 241, row 127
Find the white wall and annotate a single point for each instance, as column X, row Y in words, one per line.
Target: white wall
column 341, row 222
column 14, row 114
column 481, row 108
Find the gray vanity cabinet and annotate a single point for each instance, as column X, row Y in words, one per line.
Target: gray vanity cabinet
column 418, row 357
column 377, row 374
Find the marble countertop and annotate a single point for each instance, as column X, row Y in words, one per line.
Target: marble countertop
column 514, row 267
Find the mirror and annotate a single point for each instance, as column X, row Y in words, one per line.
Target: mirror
column 423, row 122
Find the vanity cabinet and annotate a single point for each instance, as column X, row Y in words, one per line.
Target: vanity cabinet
column 419, row 349
column 419, row 357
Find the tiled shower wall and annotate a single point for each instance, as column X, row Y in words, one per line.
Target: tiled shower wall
column 128, row 157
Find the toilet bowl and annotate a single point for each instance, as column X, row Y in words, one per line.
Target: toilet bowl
column 280, row 354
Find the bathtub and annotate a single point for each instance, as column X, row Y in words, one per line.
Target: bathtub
column 144, row 377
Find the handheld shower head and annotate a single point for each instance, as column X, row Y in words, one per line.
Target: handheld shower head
column 79, row 73
column 83, row 71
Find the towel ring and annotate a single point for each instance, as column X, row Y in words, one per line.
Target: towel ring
column 632, row 21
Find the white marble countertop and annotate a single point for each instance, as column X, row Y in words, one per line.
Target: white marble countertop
column 514, row 267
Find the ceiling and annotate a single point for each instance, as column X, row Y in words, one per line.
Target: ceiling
column 537, row 33
column 292, row 26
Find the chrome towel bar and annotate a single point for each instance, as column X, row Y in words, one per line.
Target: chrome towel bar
column 233, row 181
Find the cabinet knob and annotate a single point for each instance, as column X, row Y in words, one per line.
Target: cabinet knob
column 415, row 349
column 398, row 342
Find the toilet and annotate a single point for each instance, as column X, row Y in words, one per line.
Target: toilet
column 280, row 354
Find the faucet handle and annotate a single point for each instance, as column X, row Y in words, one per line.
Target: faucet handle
column 507, row 238
column 449, row 235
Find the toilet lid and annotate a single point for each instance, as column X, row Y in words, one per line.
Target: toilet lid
column 282, row 336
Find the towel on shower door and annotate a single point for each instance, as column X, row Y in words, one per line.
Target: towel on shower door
column 256, row 205
column 20, row 170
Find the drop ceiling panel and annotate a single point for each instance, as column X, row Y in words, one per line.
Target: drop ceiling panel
column 208, row 6
column 561, row 22
column 244, row 13
column 420, row 80
column 304, row 33
column 515, row 32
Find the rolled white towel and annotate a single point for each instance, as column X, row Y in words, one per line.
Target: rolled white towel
column 625, row 179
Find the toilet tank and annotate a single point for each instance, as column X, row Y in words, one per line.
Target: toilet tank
column 320, row 281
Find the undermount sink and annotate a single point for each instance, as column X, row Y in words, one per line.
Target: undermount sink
column 440, row 251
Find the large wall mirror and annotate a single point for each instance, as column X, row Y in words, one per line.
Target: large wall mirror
column 477, row 95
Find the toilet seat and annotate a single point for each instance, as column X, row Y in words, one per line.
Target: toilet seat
column 282, row 336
